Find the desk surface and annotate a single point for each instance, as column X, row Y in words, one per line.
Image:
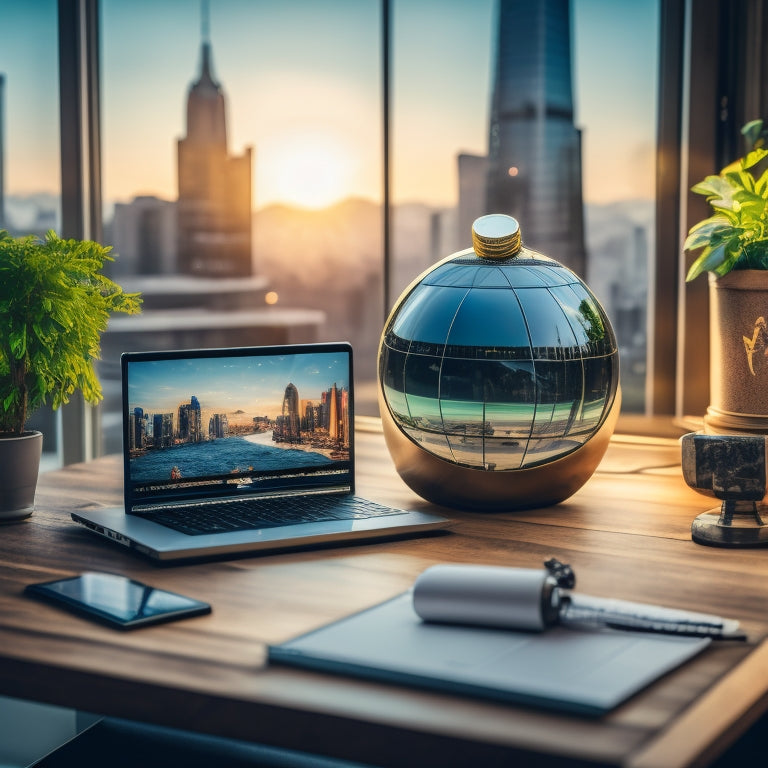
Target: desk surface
column 626, row 532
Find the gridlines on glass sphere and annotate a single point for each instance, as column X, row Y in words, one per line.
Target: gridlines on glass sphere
column 499, row 365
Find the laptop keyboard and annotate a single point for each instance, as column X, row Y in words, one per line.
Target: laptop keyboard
column 227, row 516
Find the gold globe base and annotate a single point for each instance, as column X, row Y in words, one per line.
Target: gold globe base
column 451, row 485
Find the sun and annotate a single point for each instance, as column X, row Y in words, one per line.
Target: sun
column 310, row 170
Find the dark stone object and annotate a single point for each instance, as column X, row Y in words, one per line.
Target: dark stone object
column 731, row 468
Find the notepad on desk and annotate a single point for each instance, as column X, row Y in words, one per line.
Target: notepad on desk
column 584, row 672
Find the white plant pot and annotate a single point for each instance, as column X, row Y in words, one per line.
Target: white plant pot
column 19, row 467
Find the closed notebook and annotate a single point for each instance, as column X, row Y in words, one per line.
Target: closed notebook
column 585, row 672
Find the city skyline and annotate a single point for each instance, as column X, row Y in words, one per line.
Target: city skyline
column 207, row 410
column 225, row 385
column 318, row 424
column 314, row 126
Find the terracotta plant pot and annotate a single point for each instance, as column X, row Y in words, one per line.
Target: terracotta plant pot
column 738, row 353
column 19, row 467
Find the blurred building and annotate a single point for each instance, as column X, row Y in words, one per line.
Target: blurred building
column 214, row 205
column 473, row 173
column 534, row 149
column 145, row 233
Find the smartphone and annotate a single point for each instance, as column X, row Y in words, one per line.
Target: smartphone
column 117, row 600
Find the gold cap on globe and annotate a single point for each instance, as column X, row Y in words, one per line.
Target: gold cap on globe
column 496, row 236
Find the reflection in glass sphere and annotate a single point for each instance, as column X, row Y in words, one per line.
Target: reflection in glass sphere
column 498, row 364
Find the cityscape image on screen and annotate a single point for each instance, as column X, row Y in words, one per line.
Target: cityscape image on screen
column 247, row 423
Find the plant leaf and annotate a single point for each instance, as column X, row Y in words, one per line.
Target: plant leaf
column 751, row 132
column 714, row 228
column 709, row 260
column 761, row 185
column 720, row 191
column 753, row 158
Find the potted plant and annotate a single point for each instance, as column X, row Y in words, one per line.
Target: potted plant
column 734, row 251
column 54, row 304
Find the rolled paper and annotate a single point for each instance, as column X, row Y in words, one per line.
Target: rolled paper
column 485, row 595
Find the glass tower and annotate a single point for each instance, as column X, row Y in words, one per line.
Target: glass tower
column 534, row 148
column 291, row 422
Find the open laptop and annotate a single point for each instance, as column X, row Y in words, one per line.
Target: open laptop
column 239, row 450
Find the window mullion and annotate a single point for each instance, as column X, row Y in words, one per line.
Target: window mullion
column 80, row 179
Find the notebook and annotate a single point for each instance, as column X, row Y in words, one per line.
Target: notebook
column 586, row 672
column 229, row 451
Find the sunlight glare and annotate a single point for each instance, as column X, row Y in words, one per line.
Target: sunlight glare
column 311, row 170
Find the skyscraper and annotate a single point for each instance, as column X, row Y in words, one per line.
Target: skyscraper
column 218, row 426
column 190, row 421
column 162, row 430
column 138, row 428
column 333, row 417
column 214, row 207
column 534, row 148
column 290, row 422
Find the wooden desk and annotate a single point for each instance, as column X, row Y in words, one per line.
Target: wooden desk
column 626, row 533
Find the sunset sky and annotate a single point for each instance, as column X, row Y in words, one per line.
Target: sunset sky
column 254, row 385
column 303, row 85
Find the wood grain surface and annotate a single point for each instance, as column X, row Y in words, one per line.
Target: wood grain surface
column 626, row 533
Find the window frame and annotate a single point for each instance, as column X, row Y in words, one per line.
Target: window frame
column 80, row 136
column 713, row 78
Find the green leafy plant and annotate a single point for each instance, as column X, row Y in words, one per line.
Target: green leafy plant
column 736, row 236
column 54, row 304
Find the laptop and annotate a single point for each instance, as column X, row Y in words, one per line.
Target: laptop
column 231, row 451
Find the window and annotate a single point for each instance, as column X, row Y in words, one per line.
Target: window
column 297, row 77
column 242, row 177
column 30, row 190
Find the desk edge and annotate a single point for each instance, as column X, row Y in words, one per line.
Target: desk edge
column 707, row 728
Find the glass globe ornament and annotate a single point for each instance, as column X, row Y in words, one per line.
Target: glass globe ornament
column 498, row 375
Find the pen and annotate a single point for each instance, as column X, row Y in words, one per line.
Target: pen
column 534, row 599
column 585, row 610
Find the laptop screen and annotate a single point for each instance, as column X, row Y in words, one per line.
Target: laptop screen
column 237, row 422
